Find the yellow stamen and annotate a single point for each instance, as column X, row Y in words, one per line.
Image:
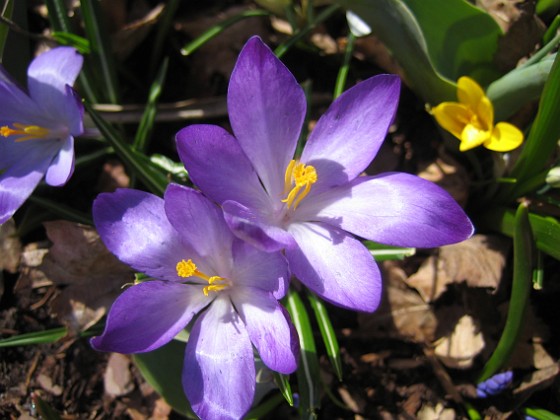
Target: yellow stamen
column 28, row 132
column 301, row 176
column 215, row 283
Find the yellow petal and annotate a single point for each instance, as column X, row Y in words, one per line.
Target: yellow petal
column 472, row 137
column 469, row 92
column 505, row 137
column 485, row 113
column 452, row 116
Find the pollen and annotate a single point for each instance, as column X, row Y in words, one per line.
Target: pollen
column 215, row 283
column 297, row 182
column 24, row 132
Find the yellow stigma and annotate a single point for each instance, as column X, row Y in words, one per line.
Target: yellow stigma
column 28, row 132
column 301, row 176
column 188, row 269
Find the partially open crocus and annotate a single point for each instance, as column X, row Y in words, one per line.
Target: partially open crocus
column 200, row 272
column 471, row 120
column 37, row 127
column 310, row 206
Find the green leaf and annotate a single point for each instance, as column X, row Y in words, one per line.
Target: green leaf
column 518, row 87
column 383, row 252
column 40, row 337
column 44, row 410
column 151, row 175
column 544, row 135
column 101, row 53
column 147, row 122
column 4, row 30
column 327, row 332
column 308, row 370
column 394, row 24
column 461, row 38
column 546, row 230
column 78, row 42
column 520, row 291
column 283, row 383
column 61, row 210
column 162, row 369
column 345, row 67
column 219, row 28
column 540, row 413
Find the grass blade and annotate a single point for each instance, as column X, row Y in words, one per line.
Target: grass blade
column 344, row 69
column 327, row 332
column 100, row 48
column 4, row 30
column 520, row 291
column 40, row 337
column 283, row 383
column 154, row 179
column 308, row 370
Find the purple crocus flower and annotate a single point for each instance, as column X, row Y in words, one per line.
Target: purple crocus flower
column 37, row 128
column 312, row 206
column 203, row 272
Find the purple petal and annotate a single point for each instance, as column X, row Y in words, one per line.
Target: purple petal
column 148, row 315
column 269, row 328
column 22, row 166
column 50, row 73
column 267, row 271
column 134, row 227
column 335, row 266
column 62, row 166
column 252, row 226
column 266, row 107
column 219, row 371
column 348, row 136
column 73, row 112
column 218, row 166
column 394, row 209
column 201, row 225
column 14, row 101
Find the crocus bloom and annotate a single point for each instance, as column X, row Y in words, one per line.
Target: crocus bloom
column 471, row 120
column 200, row 270
column 37, row 127
column 310, row 206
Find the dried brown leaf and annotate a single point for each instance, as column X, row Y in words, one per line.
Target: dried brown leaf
column 458, row 349
column 117, row 378
column 92, row 275
column 478, row 261
column 402, row 314
column 10, row 247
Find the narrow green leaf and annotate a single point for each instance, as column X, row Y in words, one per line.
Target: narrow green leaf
column 162, row 29
column 219, row 28
column 147, row 172
column 58, row 17
column 283, row 383
column 65, row 38
column 546, row 230
column 345, row 67
column 540, row 413
column 40, row 337
column 162, row 370
column 518, row 87
column 4, row 30
column 520, row 291
column 305, row 30
column 100, row 48
column 147, row 122
column 308, row 370
column 544, row 135
column 383, row 252
column 327, row 332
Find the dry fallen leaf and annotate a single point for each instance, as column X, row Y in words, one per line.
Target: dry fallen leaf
column 92, row 275
column 402, row 314
column 117, row 378
column 459, row 349
column 10, row 247
column 478, row 261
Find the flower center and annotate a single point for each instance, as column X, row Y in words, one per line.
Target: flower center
column 215, row 283
column 297, row 182
column 24, row 132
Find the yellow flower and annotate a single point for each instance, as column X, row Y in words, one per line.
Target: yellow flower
column 471, row 120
